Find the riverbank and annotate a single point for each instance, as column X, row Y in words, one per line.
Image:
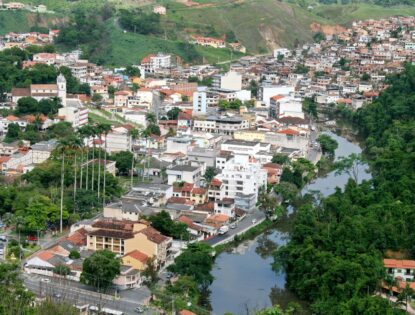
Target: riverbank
column 244, row 279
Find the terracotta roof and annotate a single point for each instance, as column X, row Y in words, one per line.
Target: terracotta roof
column 21, row 92
column 272, row 165
column 216, row 182
column 189, row 223
column 209, row 207
column 78, row 237
column 187, row 187
column 112, row 233
column 45, row 255
column 140, row 256
column 179, row 200
column 219, row 218
column 186, row 312
column 396, row 263
column 154, row 235
column 289, row 132
column 277, row 97
column 114, row 224
column 198, row 191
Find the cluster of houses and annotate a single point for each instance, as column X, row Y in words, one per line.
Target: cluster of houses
column 23, row 40
column 233, row 125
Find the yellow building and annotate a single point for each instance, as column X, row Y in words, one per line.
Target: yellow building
column 249, row 135
column 126, row 236
column 136, row 259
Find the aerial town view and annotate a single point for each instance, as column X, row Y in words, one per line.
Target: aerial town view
column 220, row 157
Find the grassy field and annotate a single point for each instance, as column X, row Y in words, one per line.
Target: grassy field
column 130, row 48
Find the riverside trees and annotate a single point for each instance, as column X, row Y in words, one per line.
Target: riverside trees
column 334, row 257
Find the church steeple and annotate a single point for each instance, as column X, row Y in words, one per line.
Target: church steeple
column 61, row 82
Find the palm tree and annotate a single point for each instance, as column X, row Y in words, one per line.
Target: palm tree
column 151, row 118
column 99, row 132
column 86, row 132
column 133, row 135
column 105, row 129
column 63, row 144
column 75, row 144
column 93, row 134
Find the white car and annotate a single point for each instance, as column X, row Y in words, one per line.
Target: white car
column 253, row 221
column 45, row 280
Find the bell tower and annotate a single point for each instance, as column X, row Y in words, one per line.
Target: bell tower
column 61, row 82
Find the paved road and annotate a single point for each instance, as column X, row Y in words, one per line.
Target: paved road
column 72, row 292
column 242, row 225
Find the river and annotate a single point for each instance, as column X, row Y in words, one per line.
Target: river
column 244, row 280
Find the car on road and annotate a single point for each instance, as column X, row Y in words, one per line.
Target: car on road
column 45, row 280
column 57, row 295
column 139, row 309
column 253, row 221
column 169, row 275
column 233, row 226
column 3, row 238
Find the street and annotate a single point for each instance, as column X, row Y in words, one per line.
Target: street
column 242, row 226
column 74, row 293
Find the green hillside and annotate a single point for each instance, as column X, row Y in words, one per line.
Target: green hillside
column 260, row 25
column 129, row 48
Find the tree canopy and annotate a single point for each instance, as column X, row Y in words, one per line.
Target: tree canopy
column 100, row 269
column 334, row 256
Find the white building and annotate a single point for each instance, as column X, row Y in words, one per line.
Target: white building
column 266, row 91
column 41, row 151
column 228, row 81
column 189, row 173
column 118, row 140
column 200, row 101
column 242, row 179
column 152, row 63
column 178, row 144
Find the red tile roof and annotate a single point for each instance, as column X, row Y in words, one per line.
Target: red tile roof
column 396, row 263
column 140, row 256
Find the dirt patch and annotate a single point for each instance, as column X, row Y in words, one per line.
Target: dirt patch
column 33, row 19
column 327, row 29
column 271, row 35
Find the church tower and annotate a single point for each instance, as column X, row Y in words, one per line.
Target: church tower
column 61, row 82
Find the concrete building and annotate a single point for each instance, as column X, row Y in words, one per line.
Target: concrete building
column 199, row 102
column 228, row 81
column 41, row 151
column 118, row 140
column 184, row 173
column 241, row 179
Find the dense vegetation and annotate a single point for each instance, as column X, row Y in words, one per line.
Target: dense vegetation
column 334, row 257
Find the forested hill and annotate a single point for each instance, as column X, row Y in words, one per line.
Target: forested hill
column 334, row 258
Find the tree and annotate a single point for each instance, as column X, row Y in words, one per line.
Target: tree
column 173, row 113
column 62, row 270
column 210, row 173
column 328, row 144
column 318, row 37
column 100, row 269
column 14, row 299
column 163, row 223
column 13, row 133
column 132, row 71
column 151, row 118
column 150, row 272
column 310, row 107
column 350, row 165
column 40, row 212
column 123, row 161
column 195, row 261
column 27, row 105
column 74, row 254
column 365, row 77
column 280, row 158
column 96, row 98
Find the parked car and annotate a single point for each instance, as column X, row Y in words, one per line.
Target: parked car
column 253, row 221
column 233, row 226
column 3, row 238
column 57, row 295
column 139, row 309
column 45, row 280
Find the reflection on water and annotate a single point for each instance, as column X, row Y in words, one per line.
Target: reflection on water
column 244, row 280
